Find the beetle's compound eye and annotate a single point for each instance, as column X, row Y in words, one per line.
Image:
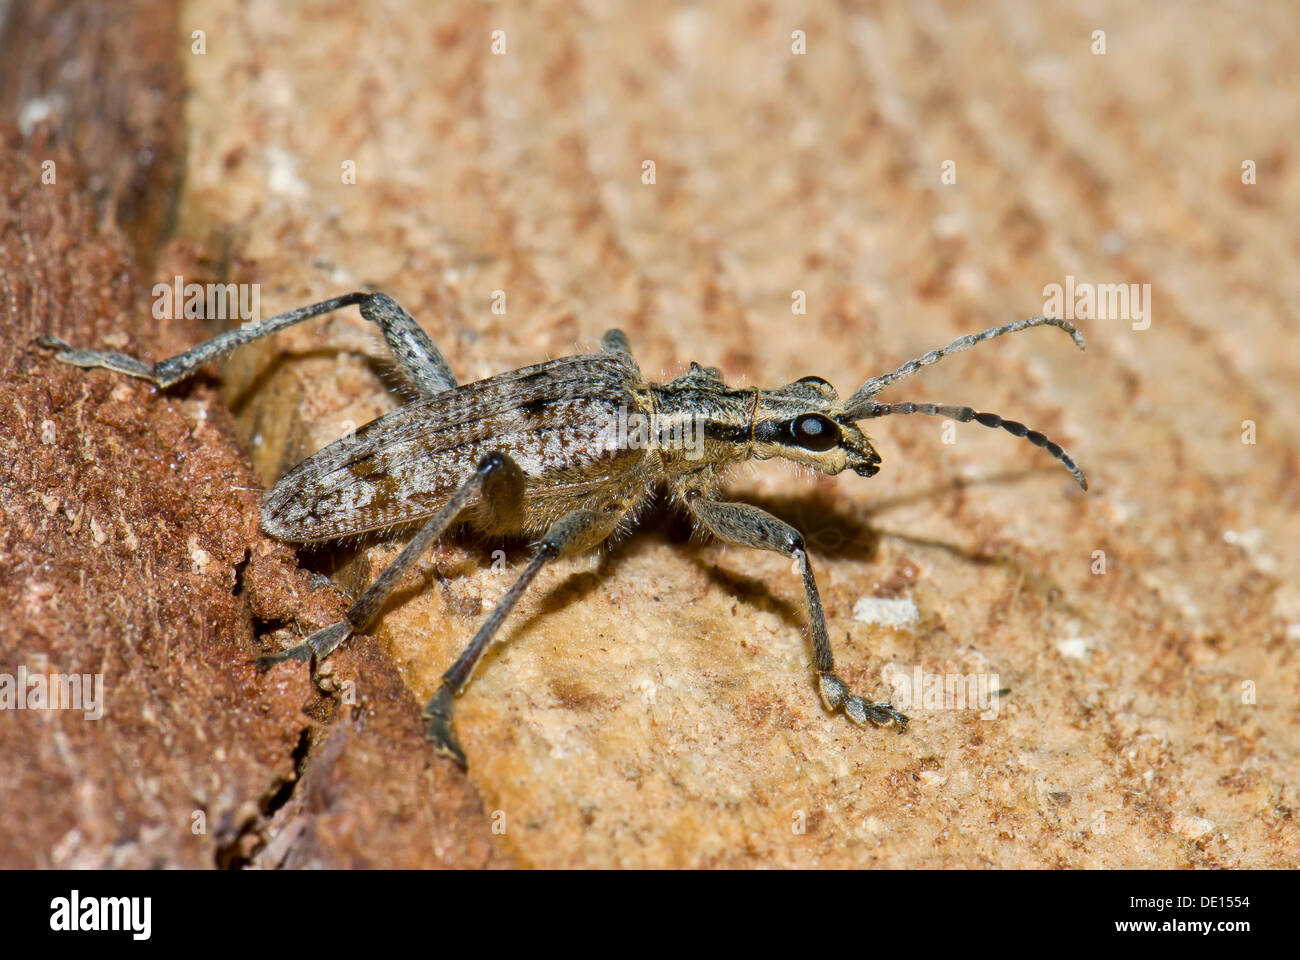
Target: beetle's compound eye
column 814, row 432
column 815, row 381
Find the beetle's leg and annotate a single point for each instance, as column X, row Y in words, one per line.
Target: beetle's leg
column 752, row 527
column 573, row 532
column 698, row 377
column 419, row 360
column 615, row 341
column 497, row 478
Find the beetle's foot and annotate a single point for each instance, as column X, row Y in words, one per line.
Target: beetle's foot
column 107, row 359
column 437, row 715
column 836, row 696
column 319, row 645
column 299, row 651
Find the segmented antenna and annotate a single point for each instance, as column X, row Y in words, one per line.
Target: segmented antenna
column 860, row 400
column 965, row 415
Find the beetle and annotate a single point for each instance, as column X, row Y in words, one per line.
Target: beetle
column 566, row 452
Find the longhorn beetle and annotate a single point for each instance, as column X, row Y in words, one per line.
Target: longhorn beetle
column 532, row 452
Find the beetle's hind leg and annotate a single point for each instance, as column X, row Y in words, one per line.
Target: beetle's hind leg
column 418, row 359
column 497, row 480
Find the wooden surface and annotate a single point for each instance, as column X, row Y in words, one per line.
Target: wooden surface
column 653, row 704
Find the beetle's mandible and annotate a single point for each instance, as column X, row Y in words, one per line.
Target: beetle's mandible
column 566, row 452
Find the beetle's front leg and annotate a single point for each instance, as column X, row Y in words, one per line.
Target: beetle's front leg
column 749, row 526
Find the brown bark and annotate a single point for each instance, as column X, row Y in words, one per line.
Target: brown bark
column 130, row 544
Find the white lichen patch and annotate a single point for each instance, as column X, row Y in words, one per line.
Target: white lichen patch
column 199, row 557
column 283, row 178
column 896, row 612
column 1076, row 648
column 198, row 411
column 36, row 111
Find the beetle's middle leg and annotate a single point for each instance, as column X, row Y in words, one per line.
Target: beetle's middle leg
column 497, row 481
column 615, row 341
column 572, row 533
column 749, row 526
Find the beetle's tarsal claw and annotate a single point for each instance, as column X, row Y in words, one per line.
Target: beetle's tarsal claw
column 437, row 715
column 836, row 696
column 299, row 651
column 107, row 359
column 884, row 713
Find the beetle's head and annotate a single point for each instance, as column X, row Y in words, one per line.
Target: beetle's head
column 806, row 422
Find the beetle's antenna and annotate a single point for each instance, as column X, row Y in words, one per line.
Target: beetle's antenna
column 965, row 415
column 860, row 400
